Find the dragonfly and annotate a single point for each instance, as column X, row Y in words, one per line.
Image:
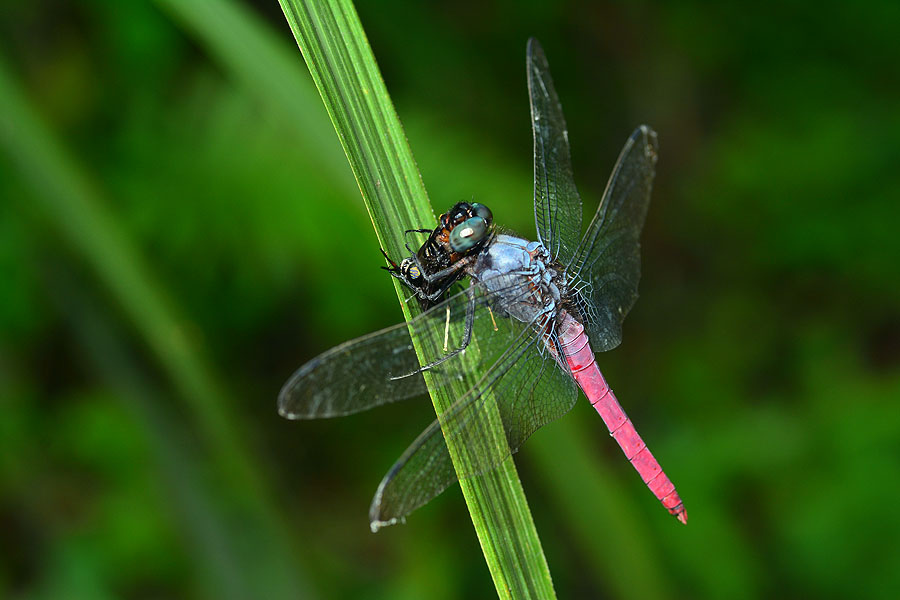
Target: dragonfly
column 530, row 320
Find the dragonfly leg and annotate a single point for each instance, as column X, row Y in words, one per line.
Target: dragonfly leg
column 409, row 231
column 436, row 294
column 464, row 343
column 451, row 270
column 393, row 266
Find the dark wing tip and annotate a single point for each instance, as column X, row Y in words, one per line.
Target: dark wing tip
column 377, row 518
column 287, row 404
column 647, row 138
column 284, row 403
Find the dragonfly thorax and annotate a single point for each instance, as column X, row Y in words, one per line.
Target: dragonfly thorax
column 524, row 280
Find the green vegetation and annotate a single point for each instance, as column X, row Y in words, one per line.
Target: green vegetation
column 346, row 74
column 179, row 230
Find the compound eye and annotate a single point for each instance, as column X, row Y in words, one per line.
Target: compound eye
column 458, row 216
column 480, row 210
column 465, row 236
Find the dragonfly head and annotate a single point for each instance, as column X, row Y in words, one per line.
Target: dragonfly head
column 480, row 210
column 469, row 225
column 468, row 234
column 463, row 211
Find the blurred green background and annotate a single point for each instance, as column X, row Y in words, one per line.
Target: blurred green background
column 179, row 230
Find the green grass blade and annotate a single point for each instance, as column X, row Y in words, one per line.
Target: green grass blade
column 338, row 55
column 74, row 208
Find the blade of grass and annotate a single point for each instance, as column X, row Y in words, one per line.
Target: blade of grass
column 74, row 208
column 337, row 53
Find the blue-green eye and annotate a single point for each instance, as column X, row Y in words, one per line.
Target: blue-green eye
column 465, row 235
column 480, row 210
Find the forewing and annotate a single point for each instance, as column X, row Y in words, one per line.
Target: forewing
column 381, row 367
column 557, row 206
column 353, row 377
column 607, row 266
column 524, row 386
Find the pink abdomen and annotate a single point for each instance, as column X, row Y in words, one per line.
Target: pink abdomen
column 580, row 360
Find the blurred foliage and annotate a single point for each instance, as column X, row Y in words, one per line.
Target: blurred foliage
column 762, row 363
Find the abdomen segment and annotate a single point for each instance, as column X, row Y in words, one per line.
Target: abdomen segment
column 580, row 360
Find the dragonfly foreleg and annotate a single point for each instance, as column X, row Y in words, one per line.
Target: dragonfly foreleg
column 438, row 293
column 464, row 343
column 451, row 270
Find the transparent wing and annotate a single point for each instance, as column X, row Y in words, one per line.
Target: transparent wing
column 371, row 370
column 526, row 388
column 353, row 377
column 607, row 266
column 557, row 206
